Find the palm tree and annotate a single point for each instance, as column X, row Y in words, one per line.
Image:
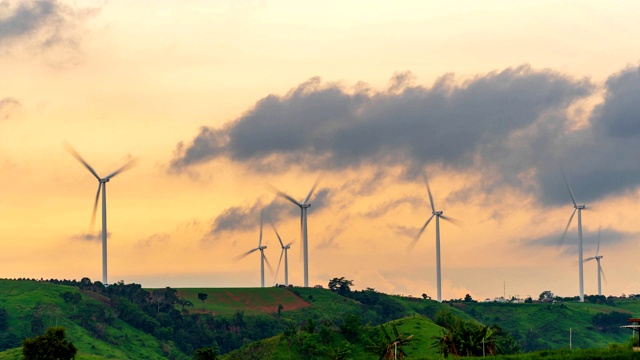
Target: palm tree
column 390, row 346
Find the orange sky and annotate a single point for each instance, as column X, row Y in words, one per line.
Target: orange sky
column 125, row 79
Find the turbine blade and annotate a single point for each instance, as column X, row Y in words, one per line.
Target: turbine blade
column 278, row 235
column 125, row 167
column 415, row 239
column 260, row 241
column 426, row 181
column 92, row 224
column 564, row 234
column 279, row 262
column 242, row 256
column 589, row 259
column 75, row 154
column 451, row 220
column 566, row 182
column 598, row 247
column 603, row 276
column 313, row 188
column 282, row 194
column 267, row 261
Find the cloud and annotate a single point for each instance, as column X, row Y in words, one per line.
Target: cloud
column 97, row 237
column 328, row 127
column 247, row 217
column 514, row 127
column 599, row 159
column 153, row 240
column 42, row 24
column 609, row 238
column 7, row 107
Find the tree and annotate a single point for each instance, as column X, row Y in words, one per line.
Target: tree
column 546, row 296
column 351, row 328
column 53, row 345
column 340, row 285
column 426, row 297
column 389, row 346
column 468, row 298
column 202, row 297
column 206, row 353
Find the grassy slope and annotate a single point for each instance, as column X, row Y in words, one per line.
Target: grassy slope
column 550, row 322
column 19, row 298
column 252, row 301
column 276, row 348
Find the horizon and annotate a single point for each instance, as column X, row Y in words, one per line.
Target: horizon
column 221, row 102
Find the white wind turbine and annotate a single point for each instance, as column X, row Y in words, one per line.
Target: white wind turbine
column 438, row 215
column 597, row 258
column 579, row 209
column 284, row 251
column 304, row 205
column 263, row 258
column 102, row 185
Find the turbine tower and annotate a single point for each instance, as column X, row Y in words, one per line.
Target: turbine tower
column 263, row 258
column 284, row 251
column 597, row 258
column 304, row 205
column 438, row 215
column 579, row 209
column 102, row 185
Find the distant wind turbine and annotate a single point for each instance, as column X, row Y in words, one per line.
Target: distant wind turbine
column 304, row 205
column 579, row 209
column 285, row 248
column 102, row 185
column 263, row 258
column 438, row 215
column 597, row 258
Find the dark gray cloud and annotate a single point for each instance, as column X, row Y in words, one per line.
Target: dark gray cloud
column 42, row 23
column 96, row 237
column 247, row 217
column 608, row 238
column 7, row 107
column 326, row 126
column 599, row 159
column 512, row 126
column 383, row 208
column 153, row 240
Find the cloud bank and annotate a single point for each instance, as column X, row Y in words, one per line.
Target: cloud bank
column 514, row 126
column 42, row 25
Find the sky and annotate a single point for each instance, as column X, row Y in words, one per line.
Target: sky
column 222, row 103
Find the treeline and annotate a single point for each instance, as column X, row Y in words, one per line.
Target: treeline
column 165, row 315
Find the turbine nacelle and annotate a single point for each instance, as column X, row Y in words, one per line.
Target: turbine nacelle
column 305, row 205
column 581, row 207
column 105, row 180
column 438, row 213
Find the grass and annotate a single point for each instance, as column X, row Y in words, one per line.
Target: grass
column 22, row 298
column 250, row 300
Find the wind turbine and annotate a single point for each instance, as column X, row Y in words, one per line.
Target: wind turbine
column 438, row 215
column 102, row 185
column 597, row 258
column 579, row 209
column 263, row 258
column 285, row 248
column 304, row 205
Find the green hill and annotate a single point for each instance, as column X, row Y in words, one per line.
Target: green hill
column 33, row 306
column 124, row 321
